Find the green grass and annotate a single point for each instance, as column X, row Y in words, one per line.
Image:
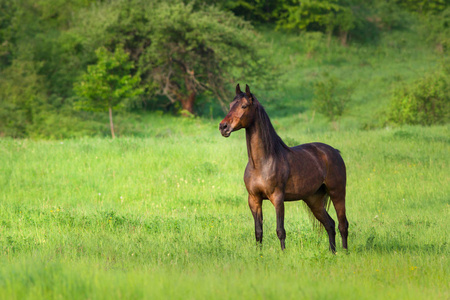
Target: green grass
column 162, row 211
column 166, row 216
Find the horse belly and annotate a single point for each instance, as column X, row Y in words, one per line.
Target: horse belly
column 301, row 185
column 307, row 172
column 301, row 193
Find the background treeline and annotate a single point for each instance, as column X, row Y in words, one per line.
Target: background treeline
column 64, row 62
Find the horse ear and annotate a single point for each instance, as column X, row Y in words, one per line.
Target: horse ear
column 238, row 89
column 248, row 94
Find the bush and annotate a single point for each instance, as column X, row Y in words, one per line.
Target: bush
column 423, row 102
column 330, row 98
column 423, row 6
column 348, row 19
column 436, row 30
column 22, row 97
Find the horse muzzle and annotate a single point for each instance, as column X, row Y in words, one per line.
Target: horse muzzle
column 225, row 129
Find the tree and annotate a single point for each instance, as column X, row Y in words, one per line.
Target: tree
column 107, row 83
column 194, row 51
column 7, row 14
column 314, row 15
column 260, row 11
column 181, row 50
column 22, row 98
column 424, row 6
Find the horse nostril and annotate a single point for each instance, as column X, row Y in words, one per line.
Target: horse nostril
column 222, row 126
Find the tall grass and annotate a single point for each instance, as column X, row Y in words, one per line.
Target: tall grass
column 167, row 216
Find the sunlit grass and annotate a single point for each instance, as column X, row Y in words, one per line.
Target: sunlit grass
column 167, row 216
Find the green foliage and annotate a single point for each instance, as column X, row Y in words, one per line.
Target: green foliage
column 330, row 98
column 22, row 98
column 424, row 6
column 424, row 102
column 356, row 20
column 259, row 11
column 27, row 111
column 329, row 16
column 206, row 49
column 107, row 83
column 7, row 13
column 377, row 16
column 435, row 28
column 180, row 51
column 312, row 14
column 47, row 45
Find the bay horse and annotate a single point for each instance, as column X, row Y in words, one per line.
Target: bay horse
column 313, row 172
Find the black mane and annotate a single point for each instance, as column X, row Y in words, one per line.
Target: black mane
column 273, row 144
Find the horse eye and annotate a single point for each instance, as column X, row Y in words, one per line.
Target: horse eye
column 244, row 106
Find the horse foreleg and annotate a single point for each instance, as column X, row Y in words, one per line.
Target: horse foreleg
column 255, row 204
column 278, row 201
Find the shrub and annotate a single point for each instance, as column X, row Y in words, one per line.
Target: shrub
column 423, row 102
column 22, row 97
column 330, row 98
column 436, row 30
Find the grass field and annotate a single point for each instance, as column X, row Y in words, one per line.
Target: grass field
column 166, row 216
column 161, row 212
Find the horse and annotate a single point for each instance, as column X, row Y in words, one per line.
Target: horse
column 313, row 172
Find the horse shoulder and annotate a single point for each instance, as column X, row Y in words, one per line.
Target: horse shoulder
column 251, row 179
column 267, row 178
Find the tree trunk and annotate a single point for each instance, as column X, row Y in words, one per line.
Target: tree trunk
column 329, row 34
column 188, row 103
column 111, row 124
column 343, row 38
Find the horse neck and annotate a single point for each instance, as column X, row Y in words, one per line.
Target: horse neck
column 263, row 143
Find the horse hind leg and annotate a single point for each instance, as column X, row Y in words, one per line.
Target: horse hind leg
column 339, row 205
column 335, row 184
column 316, row 204
column 343, row 223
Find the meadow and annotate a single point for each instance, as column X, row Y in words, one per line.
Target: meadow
column 161, row 211
column 166, row 216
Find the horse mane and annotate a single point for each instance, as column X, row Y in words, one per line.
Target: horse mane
column 273, row 144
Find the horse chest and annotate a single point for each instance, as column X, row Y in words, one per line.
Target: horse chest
column 265, row 180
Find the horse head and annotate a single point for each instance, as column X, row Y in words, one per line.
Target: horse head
column 241, row 114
